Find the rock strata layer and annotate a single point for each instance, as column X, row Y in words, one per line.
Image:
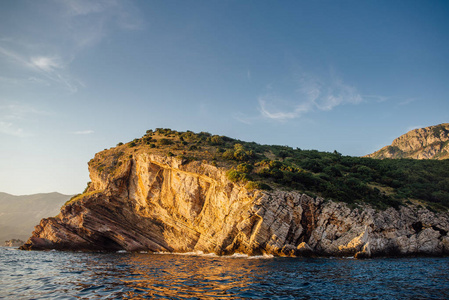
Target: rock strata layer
column 165, row 204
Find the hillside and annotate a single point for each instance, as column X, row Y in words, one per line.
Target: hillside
column 424, row 143
column 180, row 192
column 381, row 183
column 19, row 214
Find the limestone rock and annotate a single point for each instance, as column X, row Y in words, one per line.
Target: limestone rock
column 424, row 143
column 158, row 203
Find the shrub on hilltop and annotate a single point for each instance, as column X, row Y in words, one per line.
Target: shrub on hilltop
column 355, row 180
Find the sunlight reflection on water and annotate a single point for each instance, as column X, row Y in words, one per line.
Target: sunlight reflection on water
column 71, row 275
column 193, row 276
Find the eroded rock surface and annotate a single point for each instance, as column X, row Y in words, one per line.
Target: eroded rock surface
column 159, row 203
column 423, row 143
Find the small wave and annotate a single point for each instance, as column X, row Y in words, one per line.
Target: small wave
column 337, row 257
column 122, row 251
column 211, row 254
column 68, row 275
column 242, row 255
column 239, row 255
column 193, row 253
column 11, row 248
column 264, row 256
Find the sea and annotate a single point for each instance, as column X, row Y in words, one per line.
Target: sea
column 123, row 275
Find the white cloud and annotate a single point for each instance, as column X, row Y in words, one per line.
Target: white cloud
column 51, row 67
column 312, row 94
column 83, row 132
column 47, row 64
column 13, row 116
column 9, row 129
column 270, row 108
column 75, row 25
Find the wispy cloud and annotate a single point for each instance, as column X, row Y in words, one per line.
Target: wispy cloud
column 46, row 64
column 312, row 93
column 50, row 67
column 15, row 57
column 70, row 28
column 54, row 69
column 13, row 116
column 376, row 98
column 269, row 108
column 88, row 22
column 83, row 132
column 83, row 7
column 407, row 101
column 243, row 118
column 8, row 128
column 14, row 111
column 122, row 12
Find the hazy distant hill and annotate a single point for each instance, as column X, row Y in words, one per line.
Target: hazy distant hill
column 424, row 143
column 19, row 214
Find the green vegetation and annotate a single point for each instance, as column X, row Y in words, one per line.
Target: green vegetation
column 251, row 185
column 354, row 180
column 439, row 129
column 81, row 196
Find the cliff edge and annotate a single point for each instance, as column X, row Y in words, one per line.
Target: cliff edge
column 142, row 200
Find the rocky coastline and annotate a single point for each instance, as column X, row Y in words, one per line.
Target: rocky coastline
column 158, row 203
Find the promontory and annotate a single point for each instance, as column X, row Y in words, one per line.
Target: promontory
column 173, row 191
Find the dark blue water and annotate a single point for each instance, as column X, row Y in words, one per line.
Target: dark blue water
column 66, row 275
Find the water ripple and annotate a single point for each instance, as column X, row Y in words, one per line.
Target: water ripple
column 74, row 275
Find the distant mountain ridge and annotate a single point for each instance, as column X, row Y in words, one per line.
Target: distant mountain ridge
column 425, row 143
column 19, row 214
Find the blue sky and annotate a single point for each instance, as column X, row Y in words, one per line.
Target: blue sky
column 77, row 77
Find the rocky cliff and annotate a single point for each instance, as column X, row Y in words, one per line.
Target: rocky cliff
column 424, row 143
column 153, row 202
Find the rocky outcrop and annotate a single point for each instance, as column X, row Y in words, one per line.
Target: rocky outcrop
column 424, row 143
column 14, row 243
column 159, row 203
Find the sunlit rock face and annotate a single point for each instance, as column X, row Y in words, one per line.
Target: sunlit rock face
column 158, row 203
column 425, row 143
